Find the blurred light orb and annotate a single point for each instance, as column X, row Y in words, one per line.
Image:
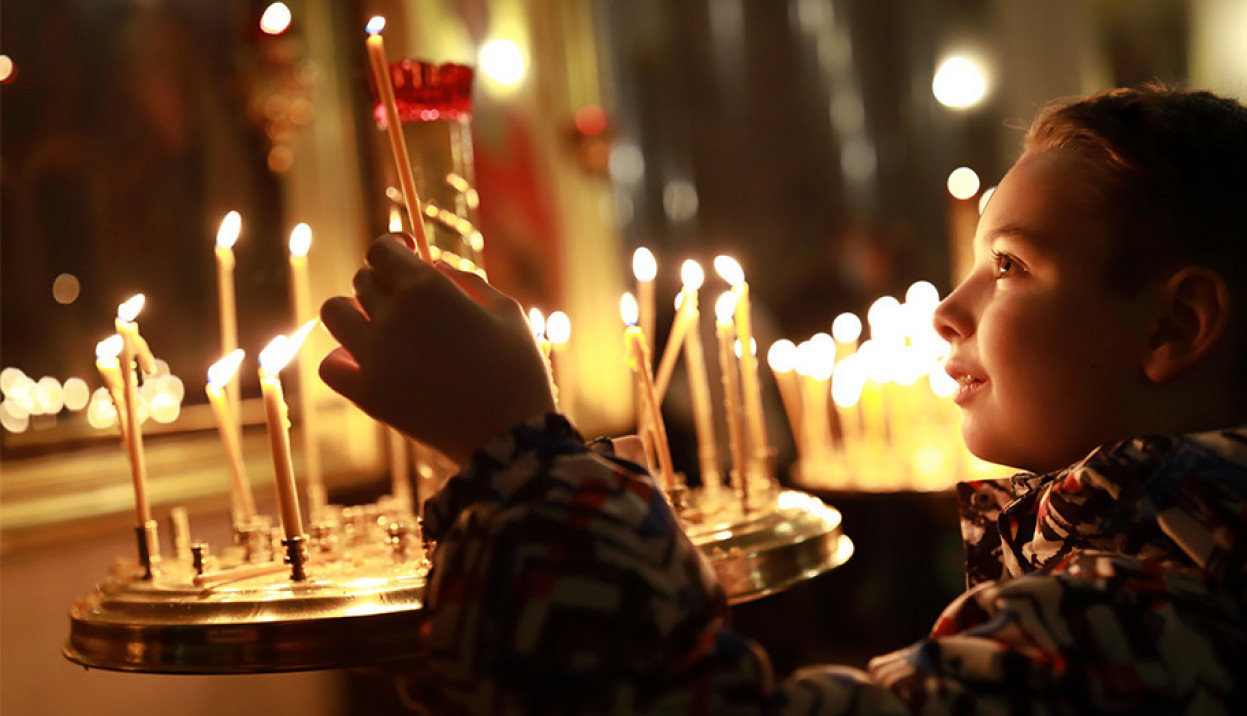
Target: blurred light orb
column 65, row 289
column 13, row 419
column 502, row 62
column 276, row 19
column 6, row 68
column 679, row 200
column 963, row 183
column 77, row 393
column 626, row 164
column 958, row 83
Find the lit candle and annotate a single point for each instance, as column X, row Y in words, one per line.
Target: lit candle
column 698, row 382
column 874, row 418
column 816, row 359
column 847, row 381
column 781, row 357
column 725, row 332
column 300, row 297
column 645, row 269
column 134, row 348
column 686, row 312
column 751, row 389
column 109, row 367
column 394, row 127
column 559, row 333
column 537, row 322
column 638, row 360
column 273, row 358
column 226, row 237
column 219, row 375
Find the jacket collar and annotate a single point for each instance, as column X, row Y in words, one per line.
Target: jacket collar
column 1180, row 499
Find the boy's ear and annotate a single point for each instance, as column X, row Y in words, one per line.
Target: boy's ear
column 1193, row 316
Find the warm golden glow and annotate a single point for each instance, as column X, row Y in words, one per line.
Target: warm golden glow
column 227, row 234
column 300, row 240
column 958, row 83
column 502, row 61
column 729, row 270
column 628, row 309
column 644, row 266
column 692, row 275
column 223, row 370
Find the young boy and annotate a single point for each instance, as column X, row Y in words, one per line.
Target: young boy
column 1101, row 345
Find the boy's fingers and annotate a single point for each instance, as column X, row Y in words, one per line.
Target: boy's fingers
column 393, row 263
column 345, row 321
column 475, row 286
column 368, row 292
column 341, row 373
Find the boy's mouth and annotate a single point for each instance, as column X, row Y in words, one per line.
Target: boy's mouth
column 967, row 386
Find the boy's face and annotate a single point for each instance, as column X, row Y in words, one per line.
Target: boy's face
column 1048, row 358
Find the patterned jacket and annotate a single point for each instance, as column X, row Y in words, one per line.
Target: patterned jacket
column 564, row 585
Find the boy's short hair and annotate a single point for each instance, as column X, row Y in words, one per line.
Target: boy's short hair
column 1169, row 174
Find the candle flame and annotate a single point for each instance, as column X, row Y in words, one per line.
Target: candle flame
column 847, row 382
column 277, row 354
column 276, row 19
column 558, row 328
column 129, row 310
column 846, row 328
column 537, row 322
column 222, row 371
column 692, row 275
column 109, row 348
column 822, row 356
column 628, row 309
column 729, row 270
column 300, row 240
column 375, row 25
column 883, row 315
column 644, row 266
column 396, row 220
column 725, row 307
column 231, row 226
column 923, row 293
column 782, row 356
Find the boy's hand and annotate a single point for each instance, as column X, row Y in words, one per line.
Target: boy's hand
column 436, row 352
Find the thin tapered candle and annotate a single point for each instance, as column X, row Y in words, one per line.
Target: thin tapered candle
column 394, row 127
column 219, row 375
column 300, row 245
column 226, row 237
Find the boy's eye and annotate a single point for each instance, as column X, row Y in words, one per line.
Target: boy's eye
column 1006, row 265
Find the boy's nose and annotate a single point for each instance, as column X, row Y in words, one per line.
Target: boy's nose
column 951, row 319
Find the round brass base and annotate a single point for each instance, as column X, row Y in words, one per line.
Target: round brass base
column 364, row 608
